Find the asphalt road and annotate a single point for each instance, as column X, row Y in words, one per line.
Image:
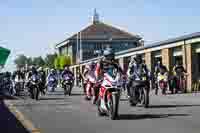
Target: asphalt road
column 59, row 114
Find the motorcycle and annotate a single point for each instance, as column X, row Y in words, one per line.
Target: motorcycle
column 139, row 92
column 52, row 84
column 181, row 84
column 124, row 82
column 162, row 83
column 35, row 87
column 10, row 87
column 90, row 87
column 19, row 86
column 68, row 84
column 109, row 96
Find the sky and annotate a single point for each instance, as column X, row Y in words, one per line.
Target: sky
column 33, row 27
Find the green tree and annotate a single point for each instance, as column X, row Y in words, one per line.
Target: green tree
column 64, row 60
column 29, row 61
column 49, row 60
column 38, row 61
column 57, row 62
column 20, row 61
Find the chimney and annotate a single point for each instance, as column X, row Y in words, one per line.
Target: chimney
column 95, row 18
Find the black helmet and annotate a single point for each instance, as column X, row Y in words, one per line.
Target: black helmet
column 7, row 74
column 33, row 69
column 109, row 53
column 137, row 58
column 92, row 64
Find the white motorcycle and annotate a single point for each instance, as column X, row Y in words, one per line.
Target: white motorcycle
column 109, row 95
column 18, row 85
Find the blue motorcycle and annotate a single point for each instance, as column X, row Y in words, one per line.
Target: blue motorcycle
column 52, row 83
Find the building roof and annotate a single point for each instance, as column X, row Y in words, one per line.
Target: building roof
column 102, row 31
column 161, row 43
column 173, row 40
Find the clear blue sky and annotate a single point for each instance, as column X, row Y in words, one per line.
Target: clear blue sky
column 32, row 27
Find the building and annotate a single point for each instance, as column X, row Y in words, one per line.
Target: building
column 184, row 48
column 98, row 35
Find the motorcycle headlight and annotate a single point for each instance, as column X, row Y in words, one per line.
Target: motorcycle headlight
column 114, row 83
column 34, row 79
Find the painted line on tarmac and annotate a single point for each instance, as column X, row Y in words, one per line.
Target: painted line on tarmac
column 25, row 122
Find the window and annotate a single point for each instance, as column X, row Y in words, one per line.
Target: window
column 178, row 59
column 198, row 57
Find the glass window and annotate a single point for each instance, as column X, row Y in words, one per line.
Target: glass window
column 198, row 57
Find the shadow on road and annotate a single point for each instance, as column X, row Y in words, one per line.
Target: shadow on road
column 172, row 106
column 52, row 98
column 8, row 122
column 55, row 94
column 124, row 99
column 77, row 94
column 147, row 116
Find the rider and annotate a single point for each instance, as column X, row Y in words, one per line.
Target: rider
column 89, row 71
column 157, row 68
column 33, row 71
column 18, row 74
column 178, row 72
column 18, row 77
column 43, row 78
column 162, row 75
column 137, row 69
column 106, row 65
column 67, row 72
column 160, row 69
column 108, row 62
column 52, row 74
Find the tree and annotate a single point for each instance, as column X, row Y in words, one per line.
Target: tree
column 57, row 62
column 21, row 60
column 38, row 61
column 49, row 60
column 64, row 60
column 29, row 61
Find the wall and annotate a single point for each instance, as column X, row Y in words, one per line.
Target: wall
column 166, row 58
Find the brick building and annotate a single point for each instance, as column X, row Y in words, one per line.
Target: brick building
column 184, row 48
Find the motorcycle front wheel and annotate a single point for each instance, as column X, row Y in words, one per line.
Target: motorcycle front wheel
column 145, row 97
column 99, row 111
column 36, row 93
column 113, row 104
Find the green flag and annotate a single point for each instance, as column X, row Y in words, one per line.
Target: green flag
column 4, row 53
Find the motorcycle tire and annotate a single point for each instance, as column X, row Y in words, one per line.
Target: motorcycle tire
column 132, row 103
column 113, row 106
column 145, row 98
column 65, row 90
column 99, row 111
column 70, row 90
column 36, row 93
column 164, row 91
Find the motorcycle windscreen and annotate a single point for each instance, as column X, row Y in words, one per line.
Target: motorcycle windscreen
column 112, row 72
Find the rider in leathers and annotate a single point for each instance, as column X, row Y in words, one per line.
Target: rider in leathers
column 33, row 71
column 137, row 69
column 107, row 64
column 67, row 72
column 43, row 79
